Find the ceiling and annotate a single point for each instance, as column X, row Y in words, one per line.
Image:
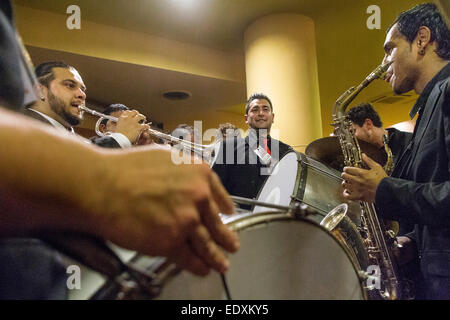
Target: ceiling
column 141, row 87
column 187, row 20
column 346, row 52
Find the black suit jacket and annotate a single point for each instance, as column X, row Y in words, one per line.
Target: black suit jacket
column 244, row 177
column 105, row 142
column 419, row 189
column 11, row 83
column 36, row 116
column 398, row 142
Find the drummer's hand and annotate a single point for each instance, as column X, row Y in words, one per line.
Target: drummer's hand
column 159, row 208
column 361, row 184
column 203, row 241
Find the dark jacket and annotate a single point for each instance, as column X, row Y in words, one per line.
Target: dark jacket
column 105, row 142
column 398, row 142
column 419, row 189
column 245, row 177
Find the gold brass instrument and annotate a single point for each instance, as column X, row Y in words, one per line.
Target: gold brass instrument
column 346, row 232
column 389, row 166
column 206, row 152
column 392, row 226
column 379, row 241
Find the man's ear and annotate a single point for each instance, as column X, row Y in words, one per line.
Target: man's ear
column 42, row 92
column 273, row 117
column 368, row 123
column 423, row 37
column 246, row 119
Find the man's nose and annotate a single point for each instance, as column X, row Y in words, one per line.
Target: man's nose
column 81, row 94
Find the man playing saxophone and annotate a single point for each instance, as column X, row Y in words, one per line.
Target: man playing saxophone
column 418, row 45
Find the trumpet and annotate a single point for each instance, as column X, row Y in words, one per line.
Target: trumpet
column 208, row 152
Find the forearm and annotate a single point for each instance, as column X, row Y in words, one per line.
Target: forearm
column 44, row 176
column 22, row 215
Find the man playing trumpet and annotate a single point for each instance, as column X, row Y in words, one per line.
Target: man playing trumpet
column 63, row 92
column 125, row 129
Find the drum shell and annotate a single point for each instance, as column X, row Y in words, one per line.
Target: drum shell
column 320, row 187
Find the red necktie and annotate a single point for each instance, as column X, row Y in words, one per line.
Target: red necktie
column 266, row 146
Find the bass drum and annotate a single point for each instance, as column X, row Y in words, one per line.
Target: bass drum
column 281, row 257
column 297, row 177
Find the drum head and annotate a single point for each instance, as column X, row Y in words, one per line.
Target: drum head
column 278, row 259
column 279, row 186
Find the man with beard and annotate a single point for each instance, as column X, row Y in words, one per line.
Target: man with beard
column 245, row 172
column 136, row 198
column 418, row 45
column 63, row 91
column 369, row 128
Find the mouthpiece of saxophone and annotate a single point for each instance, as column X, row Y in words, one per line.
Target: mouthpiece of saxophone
column 385, row 68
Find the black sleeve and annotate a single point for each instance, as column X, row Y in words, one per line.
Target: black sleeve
column 105, row 142
column 426, row 203
column 11, row 84
column 220, row 167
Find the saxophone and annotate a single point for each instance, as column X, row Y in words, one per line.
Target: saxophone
column 379, row 241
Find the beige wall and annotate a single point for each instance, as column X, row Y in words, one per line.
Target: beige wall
column 112, row 43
